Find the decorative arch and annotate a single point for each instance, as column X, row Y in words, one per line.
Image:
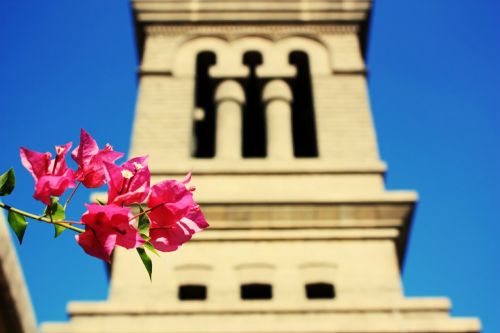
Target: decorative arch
column 316, row 51
column 185, row 267
column 255, row 281
column 255, row 273
column 319, row 280
column 318, row 272
column 254, row 266
column 230, row 53
column 185, row 58
column 252, row 61
column 193, row 274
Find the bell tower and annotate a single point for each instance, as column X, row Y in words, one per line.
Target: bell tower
column 267, row 103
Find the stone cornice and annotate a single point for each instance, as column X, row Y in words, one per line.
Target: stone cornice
column 217, row 11
column 234, row 30
column 407, row 305
column 296, row 235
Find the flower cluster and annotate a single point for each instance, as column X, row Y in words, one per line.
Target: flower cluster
column 166, row 213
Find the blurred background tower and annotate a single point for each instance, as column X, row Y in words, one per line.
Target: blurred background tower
column 266, row 101
column 16, row 311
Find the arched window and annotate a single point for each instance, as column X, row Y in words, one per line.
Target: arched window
column 255, row 281
column 192, row 281
column 319, row 280
column 303, row 118
column 204, row 125
column 254, row 123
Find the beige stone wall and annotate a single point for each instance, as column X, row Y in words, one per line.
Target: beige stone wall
column 16, row 311
column 163, row 123
column 225, row 263
column 345, row 129
column 278, row 220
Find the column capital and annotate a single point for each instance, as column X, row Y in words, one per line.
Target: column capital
column 277, row 89
column 230, row 90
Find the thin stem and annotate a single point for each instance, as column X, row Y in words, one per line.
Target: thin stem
column 146, row 211
column 64, row 224
column 71, row 195
column 50, row 214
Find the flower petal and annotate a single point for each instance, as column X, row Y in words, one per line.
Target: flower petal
column 36, row 163
column 48, row 186
column 87, row 148
column 169, row 239
column 94, row 247
column 106, row 227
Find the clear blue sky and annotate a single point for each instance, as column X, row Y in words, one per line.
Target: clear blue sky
column 435, row 82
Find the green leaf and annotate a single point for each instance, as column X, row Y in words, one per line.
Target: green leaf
column 55, row 210
column 146, row 260
column 56, row 213
column 101, row 203
column 58, row 229
column 18, row 224
column 151, row 248
column 7, row 182
column 143, row 227
column 143, row 223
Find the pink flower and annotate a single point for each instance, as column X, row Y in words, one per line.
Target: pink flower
column 128, row 183
column 175, row 216
column 52, row 177
column 106, row 227
column 91, row 160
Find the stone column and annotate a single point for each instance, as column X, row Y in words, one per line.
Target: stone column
column 229, row 98
column 278, row 97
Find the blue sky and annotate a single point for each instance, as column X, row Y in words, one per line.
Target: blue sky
column 434, row 86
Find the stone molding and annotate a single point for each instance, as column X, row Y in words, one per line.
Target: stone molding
column 406, row 305
column 231, row 31
column 296, row 235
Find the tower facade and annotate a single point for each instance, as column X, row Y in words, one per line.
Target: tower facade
column 266, row 102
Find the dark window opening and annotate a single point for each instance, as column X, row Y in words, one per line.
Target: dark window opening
column 253, row 117
column 320, row 291
column 204, row 129
column 192, row 292
column 257, row 291
column 303, row 119
column 254, row 123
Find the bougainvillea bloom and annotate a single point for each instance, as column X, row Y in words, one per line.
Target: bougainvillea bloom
column 171, row 218
column 175, row 216
column 168, row 239
column 91, row 159
column 128, row 183
column 106, row 227
column 52, row 177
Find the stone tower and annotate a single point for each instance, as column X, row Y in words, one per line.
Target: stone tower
column 266, row 101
